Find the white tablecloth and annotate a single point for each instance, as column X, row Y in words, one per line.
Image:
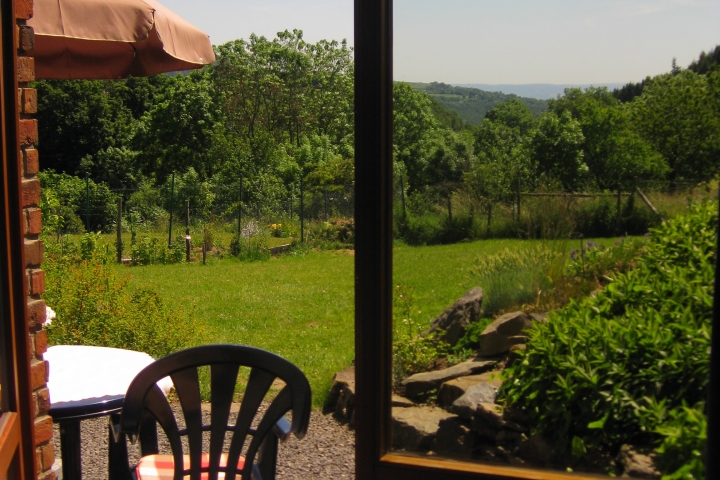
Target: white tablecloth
column 79, row 372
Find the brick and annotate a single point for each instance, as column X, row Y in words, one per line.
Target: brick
column 30, row 192
column 28, row 132
column 43, row 401
column 26, row 69
column 27, row 38
column 36, row 312
column 31, row 161
column 37, row 282
column 29, row 100
column 34, row 221
column 40, row 342
column 23, row 9
column 38, row 374
column 48, row 456
column 43, row 429
column 33, row 253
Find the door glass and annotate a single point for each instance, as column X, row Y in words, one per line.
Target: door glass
column 554, row 232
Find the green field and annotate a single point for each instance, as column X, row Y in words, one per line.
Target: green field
column 301, row 307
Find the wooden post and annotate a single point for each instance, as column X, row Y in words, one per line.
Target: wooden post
column 402, row 196
column 302, row 211
column 487, row 233
column 87, row 202
column 449, row 201
column 205, row 246
column 187, row 230
column 647, row 202
column 119, row 245
column 619, row 208
column 518, row 198
column 172, row 202
column 240, row 209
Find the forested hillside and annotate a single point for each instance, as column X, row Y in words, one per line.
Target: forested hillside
column 471, row 104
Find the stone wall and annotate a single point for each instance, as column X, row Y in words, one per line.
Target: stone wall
column 28, row 137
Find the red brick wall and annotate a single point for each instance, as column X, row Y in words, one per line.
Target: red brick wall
column 28, row 136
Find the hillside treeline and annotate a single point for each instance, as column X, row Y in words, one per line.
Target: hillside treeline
column 271, row 112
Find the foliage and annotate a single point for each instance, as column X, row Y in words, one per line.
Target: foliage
column 96, row 307
column 597, row 370
column 512, row 278
column 412, row 351
column 68, row 195
column 340, row 230
column 148, row 250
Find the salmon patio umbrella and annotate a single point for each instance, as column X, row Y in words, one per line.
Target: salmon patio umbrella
column 106, row 39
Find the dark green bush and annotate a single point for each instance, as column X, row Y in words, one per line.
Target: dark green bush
column 594, row 374
column 96, row 307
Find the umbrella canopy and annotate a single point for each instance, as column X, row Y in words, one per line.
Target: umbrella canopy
column 105, row 39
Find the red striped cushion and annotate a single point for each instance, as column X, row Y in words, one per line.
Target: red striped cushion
column 160, row 467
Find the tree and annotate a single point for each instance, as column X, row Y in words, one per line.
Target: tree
column 678, row 116
column 557, row 150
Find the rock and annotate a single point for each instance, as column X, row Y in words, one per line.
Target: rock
column 509, row 439
column 466, row 405
column 503, row 333
column 454, row 389
column 398, row 401
column 414, row 428
column 454, row 438
column 539, row 317
column 455, row 320
column 341, row 399
column 488, row 420
column 537, row 450
column 637, row 462
column 421, row 383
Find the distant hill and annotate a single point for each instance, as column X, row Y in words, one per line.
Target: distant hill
column 541, row 91
column 471, row 103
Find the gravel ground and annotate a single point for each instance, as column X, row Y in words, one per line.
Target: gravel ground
column 326, row 452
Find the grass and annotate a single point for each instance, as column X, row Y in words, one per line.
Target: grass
column 301, row 307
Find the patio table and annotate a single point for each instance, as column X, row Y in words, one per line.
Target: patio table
column 88, row 382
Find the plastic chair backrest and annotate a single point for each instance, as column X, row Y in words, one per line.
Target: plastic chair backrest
column 144, row 397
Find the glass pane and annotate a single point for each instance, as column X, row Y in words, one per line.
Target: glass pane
column 554, row 232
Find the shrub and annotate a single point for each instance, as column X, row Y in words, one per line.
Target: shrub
column 594, row 374
column 70, row 193
column 149, row 250
column 95, row 307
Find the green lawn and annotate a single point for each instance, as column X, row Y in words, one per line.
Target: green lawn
column 301, row 307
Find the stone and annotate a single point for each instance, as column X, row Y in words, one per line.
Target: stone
column 637, row 463
column 454, row 389
column 466, row 405
column 537, row 450
column 398, row 401
column 414, row 428
column 341, row 399
column 455, row 438
column 422, row 383
column 455, row 320
column 503, row 333
column 488, row 420
column 514, row 354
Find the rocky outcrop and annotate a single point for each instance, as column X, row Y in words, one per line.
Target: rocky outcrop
column 466, row 405
column 414, row 428
column 506, row 331
column 454, row 389
column 454, row 321
column 422, row 383
column 455, row 438
column 637, row 462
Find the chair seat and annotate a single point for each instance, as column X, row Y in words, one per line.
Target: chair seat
column 161, row 467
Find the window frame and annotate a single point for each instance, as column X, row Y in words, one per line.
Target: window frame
column 373, row 279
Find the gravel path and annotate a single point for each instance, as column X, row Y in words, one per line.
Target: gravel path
column 326, row 452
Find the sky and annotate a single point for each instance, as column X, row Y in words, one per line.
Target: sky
column 493, row 41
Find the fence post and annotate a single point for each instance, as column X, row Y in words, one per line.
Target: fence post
column 302, row 210
column 292, row 198
column 87, row 202
column 119, row 230
column 325, row 207
column 187, row 230
column 487, row 232
column 240, row 209
column 619, row 207
column 449, row 205
column 518, row 198
column 172, row 201
column 205, row 235
column 402, row 195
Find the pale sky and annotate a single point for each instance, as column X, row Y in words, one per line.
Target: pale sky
column 493, row 41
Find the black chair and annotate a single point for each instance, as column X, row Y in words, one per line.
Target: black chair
column 145, row 404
